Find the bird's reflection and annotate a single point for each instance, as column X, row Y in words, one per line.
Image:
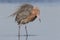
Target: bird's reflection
column 19, row 36
column 23, row 35
column 26, row 37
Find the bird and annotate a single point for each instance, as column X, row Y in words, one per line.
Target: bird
column 25, row 14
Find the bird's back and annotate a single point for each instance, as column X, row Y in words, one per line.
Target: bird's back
column 23, row 12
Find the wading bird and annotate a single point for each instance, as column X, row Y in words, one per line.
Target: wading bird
column 25, row 14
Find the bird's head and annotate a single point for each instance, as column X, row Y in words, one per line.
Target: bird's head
column 36, row 11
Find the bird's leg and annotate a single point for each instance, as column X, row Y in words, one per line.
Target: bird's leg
column 26, row 30
column 19, row 31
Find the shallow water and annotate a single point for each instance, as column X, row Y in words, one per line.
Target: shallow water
column 48, row 29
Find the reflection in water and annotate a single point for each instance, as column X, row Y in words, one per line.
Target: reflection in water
column 22, row 35
column 25, row 36
column 19, row 36
column 13, row 36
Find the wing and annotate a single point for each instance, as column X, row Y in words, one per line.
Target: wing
column 23, row 8
column 24, row 12
column 22, row 15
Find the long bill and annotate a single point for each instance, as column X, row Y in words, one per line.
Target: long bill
column 39, row 18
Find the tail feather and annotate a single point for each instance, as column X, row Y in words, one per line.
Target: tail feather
column 12, row 15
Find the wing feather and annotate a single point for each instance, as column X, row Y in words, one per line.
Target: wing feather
column 23, row 12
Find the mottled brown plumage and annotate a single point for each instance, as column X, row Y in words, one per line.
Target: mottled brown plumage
column 25, row 14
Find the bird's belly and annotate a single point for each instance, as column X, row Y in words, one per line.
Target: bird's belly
column 25, row 21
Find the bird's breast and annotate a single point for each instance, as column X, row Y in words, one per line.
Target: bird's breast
column 28, row 19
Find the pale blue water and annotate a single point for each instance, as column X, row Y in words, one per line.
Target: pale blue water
column 48, row 29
